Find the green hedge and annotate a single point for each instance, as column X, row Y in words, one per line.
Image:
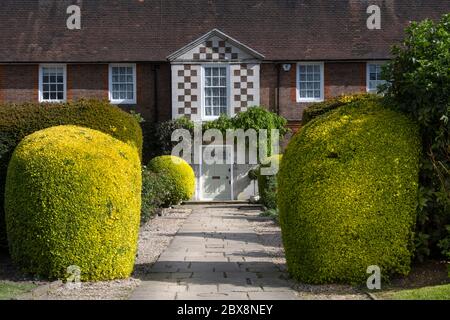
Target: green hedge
column 73, row 197
column 256, row 117
column 18, row 121
column 267, row 184
column 155, row 193
column 317, row 109
column 347, row 194
column 180, row 175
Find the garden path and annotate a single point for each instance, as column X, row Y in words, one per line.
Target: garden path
column 217, row 254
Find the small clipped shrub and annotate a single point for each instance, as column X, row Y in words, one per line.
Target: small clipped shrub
column 155, row 192
column 347, row 195
column 180, row 175
column 267, row 184
column 73, row 197
column 19, row 120
column 317, row 109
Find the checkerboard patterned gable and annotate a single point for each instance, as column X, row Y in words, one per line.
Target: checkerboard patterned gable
column 215, row 50
column 243, row 77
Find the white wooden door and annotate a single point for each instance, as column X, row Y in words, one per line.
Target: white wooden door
column 217, row 179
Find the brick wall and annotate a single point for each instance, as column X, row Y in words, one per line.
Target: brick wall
column 288, row 107
column 268, row 80
column 344, row 78
column 146, row 93
column 19, row 83
column 92, row 81
column 87, row 81
column 340, row 78
column 164, row 92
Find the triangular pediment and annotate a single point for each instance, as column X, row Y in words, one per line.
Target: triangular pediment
column 215, row 46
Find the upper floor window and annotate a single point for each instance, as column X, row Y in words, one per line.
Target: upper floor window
column 374, row 79
column 52, row 83
column 310, row 82
column 215, row 85
column 122, row 83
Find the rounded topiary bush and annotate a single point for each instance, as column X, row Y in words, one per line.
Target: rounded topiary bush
column 180, row 175
column 347, row 194
column 73, row 197
column 20, row 120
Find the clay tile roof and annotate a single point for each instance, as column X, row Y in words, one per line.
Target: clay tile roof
column 151, row 30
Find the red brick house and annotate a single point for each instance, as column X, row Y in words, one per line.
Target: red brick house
column 171, row 58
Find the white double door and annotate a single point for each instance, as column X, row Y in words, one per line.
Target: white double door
column 216, row 179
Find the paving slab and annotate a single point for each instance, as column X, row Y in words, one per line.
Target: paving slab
column 217, row 255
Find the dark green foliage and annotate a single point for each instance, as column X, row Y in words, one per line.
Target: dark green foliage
column 223, row 123
column 155, row 191
column 259, row 118
column 347, row 194
column 163, row 134
column 18, row 121
column 419, row 86
column 254, row 118
column 271, row 213
column 267, row 184
column 444, row 245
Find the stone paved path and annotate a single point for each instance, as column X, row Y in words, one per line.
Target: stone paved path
column 217, row 255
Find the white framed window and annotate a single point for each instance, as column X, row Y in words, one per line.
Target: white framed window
column 215, row 91
column 122, row 83
column 310, row 82
column 374, row 79
column 52, row 83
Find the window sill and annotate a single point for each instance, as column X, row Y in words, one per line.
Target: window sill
column 310, row 100
column 52, row 101
column 131, row 102
column 208, row 119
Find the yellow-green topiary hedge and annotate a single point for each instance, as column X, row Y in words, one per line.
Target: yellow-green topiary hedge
column 73, row 197
column 347, row 194
column 20, row 120
column 180, row 175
